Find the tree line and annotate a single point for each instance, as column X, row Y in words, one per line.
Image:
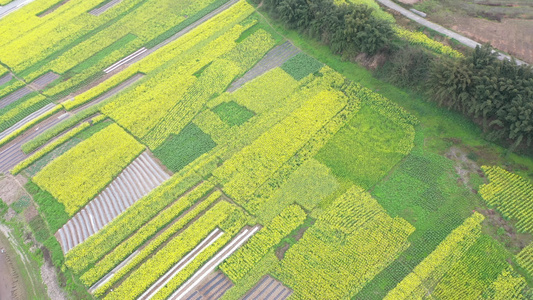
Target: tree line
column 496, row 94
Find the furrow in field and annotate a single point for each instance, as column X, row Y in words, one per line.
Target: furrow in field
column 115, row 199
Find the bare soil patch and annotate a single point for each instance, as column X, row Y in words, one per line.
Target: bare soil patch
column 510, row 35
column 280, row 252
column 464, row 166
column 10, row 190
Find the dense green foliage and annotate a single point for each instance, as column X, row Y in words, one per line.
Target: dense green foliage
column 347, row 28
column 52, row 210
column 499, row 93
column 301, row 65
column 233, row 113
column 181, row 149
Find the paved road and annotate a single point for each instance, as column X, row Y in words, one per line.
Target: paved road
column 462, row 39
column 13, row 6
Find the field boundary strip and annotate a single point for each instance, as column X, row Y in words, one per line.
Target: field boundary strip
column 213, row 263
column 137, row 180
column 180, row 265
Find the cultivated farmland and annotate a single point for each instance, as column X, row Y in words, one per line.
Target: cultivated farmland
column 189, row 150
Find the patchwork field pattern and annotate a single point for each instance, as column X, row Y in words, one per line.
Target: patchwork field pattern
column 203, row 155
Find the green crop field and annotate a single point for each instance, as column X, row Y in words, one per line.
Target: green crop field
column 198, row 150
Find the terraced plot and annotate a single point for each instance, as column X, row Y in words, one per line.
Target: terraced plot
column 136, row 181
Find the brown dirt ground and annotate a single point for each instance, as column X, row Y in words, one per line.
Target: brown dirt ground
column 10, row 190
column 510, row 35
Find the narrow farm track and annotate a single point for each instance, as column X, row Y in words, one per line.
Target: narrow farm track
column 100, row 10
column 212, row 287
column 135, row 181
column 184, row 262
column 11, row 154
column 213, row 263
column 268, row 289
column 274, row 58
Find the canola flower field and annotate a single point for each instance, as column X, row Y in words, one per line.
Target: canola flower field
column 300, row 174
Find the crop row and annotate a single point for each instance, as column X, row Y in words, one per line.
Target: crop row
column 508, row 285
column 431, row 270
column 122, row 38
column 419, row 38
column 98, row 245
column 525, row 258
column 158, row 264
column 231, row 227
column 264, row 96
column 147, row 109
column 35, row 39
column 242, row 261
column 54, row 144
column 213, row 80
column 309, row 150
column 127, row 247
column 254, row 164
column 473, row 274
column 511, row 194
column 351, row 242
column 77, row 176
column 206, row 32
column 150, row 247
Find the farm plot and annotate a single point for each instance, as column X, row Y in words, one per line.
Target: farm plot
column 348, row 245
column 77, row 176
column 212, row 287
column 510, row 194
column 268, row 289
column 433, row 268
column 138, row 179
